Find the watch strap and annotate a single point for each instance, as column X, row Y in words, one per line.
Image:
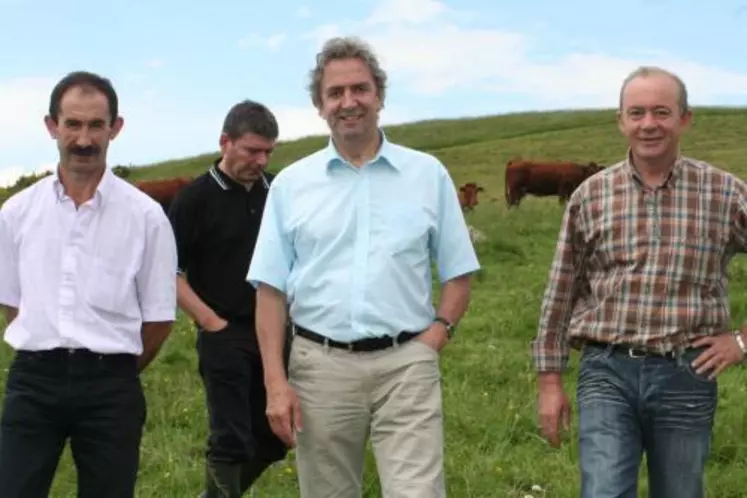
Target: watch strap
column 449, row 326
column 740, row 342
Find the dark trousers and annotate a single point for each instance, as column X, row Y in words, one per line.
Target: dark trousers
column 94, row 400
column 240, row 434
column 630, row 405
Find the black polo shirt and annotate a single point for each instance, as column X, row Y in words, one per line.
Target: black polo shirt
column 216, row 222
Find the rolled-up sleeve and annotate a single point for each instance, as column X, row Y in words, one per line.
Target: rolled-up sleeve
column 156, row 279
column 273, row 256
column 550, row 349
column 451, row 244
column 10, row 287
column 738, row 213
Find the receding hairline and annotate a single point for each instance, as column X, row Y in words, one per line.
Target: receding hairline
column 85, row 90
column 82, row 88
column 645, row 72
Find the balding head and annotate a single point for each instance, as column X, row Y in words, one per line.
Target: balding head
column 655, row 71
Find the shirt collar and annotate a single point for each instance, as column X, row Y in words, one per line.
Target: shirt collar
column 674, row 173
column 385, row 154
column 103, row 189
column 226, row 182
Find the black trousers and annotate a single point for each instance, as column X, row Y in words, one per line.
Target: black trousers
column 95, row 401
column 232, row 373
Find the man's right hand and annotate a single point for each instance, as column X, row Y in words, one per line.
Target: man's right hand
column 283, row 411
column 214, row 324
column 553, row 409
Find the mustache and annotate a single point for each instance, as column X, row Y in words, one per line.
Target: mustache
column 84, row 151
column 349, row 112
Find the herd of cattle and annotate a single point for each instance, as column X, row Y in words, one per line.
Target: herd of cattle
column 523, row 177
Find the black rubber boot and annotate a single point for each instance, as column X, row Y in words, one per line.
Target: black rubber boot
column 250, row 472
column 222, row 481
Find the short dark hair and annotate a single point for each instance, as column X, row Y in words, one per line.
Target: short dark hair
column 87, row 80
column 249, row 116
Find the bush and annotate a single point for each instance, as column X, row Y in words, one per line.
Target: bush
column 26, row 181
column 122, row 171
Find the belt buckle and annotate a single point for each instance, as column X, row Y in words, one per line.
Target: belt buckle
column 632, row 353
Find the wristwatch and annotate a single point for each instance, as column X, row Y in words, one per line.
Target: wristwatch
column 449, row 326
column 740, row 342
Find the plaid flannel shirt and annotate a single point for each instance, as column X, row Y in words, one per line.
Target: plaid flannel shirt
column 640, row 266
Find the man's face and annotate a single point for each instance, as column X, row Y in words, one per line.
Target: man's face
column 83, row 129
column 246, row 157
column 350, row 99
column 651, row 118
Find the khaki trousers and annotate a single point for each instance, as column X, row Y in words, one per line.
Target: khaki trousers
column 393, row 396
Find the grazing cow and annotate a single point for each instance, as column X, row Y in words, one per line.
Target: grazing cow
column 468, row 195
column 468, row 200
column 163, row 191
column 542, row 179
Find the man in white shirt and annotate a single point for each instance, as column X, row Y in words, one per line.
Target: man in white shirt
column 87, row 286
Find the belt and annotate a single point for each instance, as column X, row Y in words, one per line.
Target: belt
column 632, row 351
column 63, row 357
column 368, row 344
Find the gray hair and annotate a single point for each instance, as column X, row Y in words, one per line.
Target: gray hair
column 339, row 48
column 644, row 71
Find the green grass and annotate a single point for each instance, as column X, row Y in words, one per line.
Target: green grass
column 492, row 445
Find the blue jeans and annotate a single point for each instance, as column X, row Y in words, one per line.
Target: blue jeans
column 628, row 405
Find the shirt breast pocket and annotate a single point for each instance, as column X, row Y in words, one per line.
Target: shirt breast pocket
column 109, row 288
column 406, row 230
column 615, row 248
column 698, row 257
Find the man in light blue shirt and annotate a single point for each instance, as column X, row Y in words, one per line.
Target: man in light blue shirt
column 346, row 244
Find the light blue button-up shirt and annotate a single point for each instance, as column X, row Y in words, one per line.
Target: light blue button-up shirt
column 352, row 247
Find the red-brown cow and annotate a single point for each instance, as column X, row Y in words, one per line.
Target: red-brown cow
column 163, row 191
column 542, row 179
column 468, row 195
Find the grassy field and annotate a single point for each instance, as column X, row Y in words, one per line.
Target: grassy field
column 492, row 444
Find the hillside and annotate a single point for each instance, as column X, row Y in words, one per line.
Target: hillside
column 558, row 134
column 489, row 394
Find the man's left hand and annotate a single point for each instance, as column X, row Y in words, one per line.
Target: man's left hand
column 723, row 351
column 435, row 336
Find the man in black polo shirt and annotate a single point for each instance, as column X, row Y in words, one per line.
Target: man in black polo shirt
column 216, row 219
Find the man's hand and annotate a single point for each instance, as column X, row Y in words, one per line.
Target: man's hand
column 214, row 324
column 435, row 336
column 723, row 351
column 203, row 315
column 553, row 409
column 10, row 313
column 283, row 411
column 153, row 335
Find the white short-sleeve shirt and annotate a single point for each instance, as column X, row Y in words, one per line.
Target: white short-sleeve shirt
column 86, row 277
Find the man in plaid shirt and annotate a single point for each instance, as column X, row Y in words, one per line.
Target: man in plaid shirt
column 638, row 284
